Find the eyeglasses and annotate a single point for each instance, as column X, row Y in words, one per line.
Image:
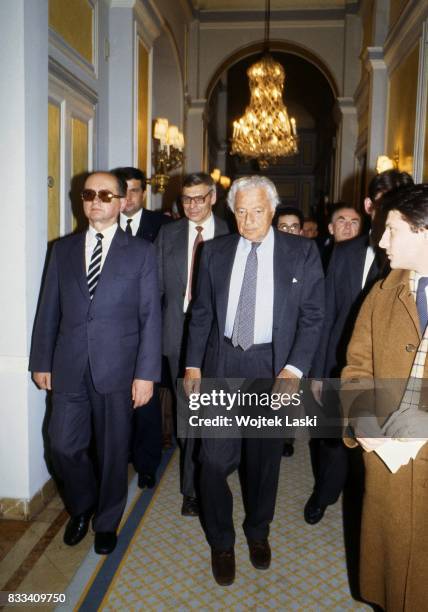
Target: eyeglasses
column 198, row 200
column 106, row 196
column 293, row 227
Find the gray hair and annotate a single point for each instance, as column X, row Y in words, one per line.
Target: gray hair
column 253, row 182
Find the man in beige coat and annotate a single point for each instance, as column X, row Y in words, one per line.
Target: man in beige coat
column 389, row 343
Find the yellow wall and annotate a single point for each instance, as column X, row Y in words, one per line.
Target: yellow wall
column 73, row 20
column 402, row 111
column 79, row 165
column 143, row 99
column 368, row 25
column 395, row 10
column 425, row 177
column 54, row 152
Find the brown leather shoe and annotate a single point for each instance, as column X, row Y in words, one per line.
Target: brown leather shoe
column 260, row 554
column 223, row 566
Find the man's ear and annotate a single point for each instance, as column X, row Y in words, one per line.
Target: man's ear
column 122, row 204
column 330, row 228
column 214, row 197
column 368, row 206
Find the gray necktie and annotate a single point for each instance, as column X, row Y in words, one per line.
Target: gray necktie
column 421, row 302
column 243, row 328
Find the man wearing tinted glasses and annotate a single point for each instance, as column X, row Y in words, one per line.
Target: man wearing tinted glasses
column 178, row 252
column 96, row 346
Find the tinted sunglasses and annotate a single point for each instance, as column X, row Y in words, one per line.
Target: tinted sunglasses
column 106, row 196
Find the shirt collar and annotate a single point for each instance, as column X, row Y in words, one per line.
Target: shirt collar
column 205, row 224
column 135, row 217
column 108, row 233
column 265, row 243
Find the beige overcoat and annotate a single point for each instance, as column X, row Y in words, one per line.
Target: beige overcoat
column 394, row 537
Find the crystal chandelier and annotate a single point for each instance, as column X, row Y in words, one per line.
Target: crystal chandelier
column 265, row 132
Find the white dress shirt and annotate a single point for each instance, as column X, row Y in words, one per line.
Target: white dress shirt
column 207, row 234
column 123, row 221
column 91, row 243
column 263, row 321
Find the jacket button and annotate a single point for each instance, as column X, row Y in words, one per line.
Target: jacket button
column 410, row 348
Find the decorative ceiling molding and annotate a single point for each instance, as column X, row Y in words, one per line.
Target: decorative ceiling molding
column 149, row 22
column 278, row 16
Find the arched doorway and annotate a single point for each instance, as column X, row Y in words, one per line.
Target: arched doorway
column 307, row 179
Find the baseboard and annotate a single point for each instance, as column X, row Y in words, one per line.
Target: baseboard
column 26, row 509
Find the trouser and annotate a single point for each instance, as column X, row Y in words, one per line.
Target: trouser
column 259, row 460
column 146, row 446
column 329, row 456
column 76, row 419
column 189, row 447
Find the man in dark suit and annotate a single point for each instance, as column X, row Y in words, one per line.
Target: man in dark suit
column 257, row 313
column 96, row 345
column 178, row 246
column 135, row 220
column 354, row 267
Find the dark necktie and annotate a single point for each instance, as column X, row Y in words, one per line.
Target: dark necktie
column 197, row 242
column 128, row 229
column 94, row 269
column 243, row 327
column 421, row 302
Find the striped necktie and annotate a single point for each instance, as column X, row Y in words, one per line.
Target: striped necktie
column 94, row 270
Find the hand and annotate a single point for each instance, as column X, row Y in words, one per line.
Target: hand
column 371, row 444
column 142, row 391
column 316, row 388
column 43, row 380
column 192, row 381
column 286, row 382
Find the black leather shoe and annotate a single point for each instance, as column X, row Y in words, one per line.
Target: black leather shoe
column 146, row 481
column 190, row 506
column 260, row 554
column 77, row 528
column 288, row 450
column 223, row 566
column 313, row 512
column 105, row 542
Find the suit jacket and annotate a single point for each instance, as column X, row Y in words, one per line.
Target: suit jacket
column 171, row 244
column 298, row 306
column 118, row 331
column 343, row 295
column 150, row 223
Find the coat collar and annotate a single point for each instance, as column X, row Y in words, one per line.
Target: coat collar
column 399, row 279
column 395, row 278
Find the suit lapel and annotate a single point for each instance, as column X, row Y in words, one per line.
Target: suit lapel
column 282, row 278
column 355, row 276
column 79, row 265
column 113, row 264
column 179, row 246
column 223, row 272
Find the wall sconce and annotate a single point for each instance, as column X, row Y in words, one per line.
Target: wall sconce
column 384, row 163
column 167, row 153
column 217, row 177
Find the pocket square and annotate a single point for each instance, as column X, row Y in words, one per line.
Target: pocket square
column 295, row 280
